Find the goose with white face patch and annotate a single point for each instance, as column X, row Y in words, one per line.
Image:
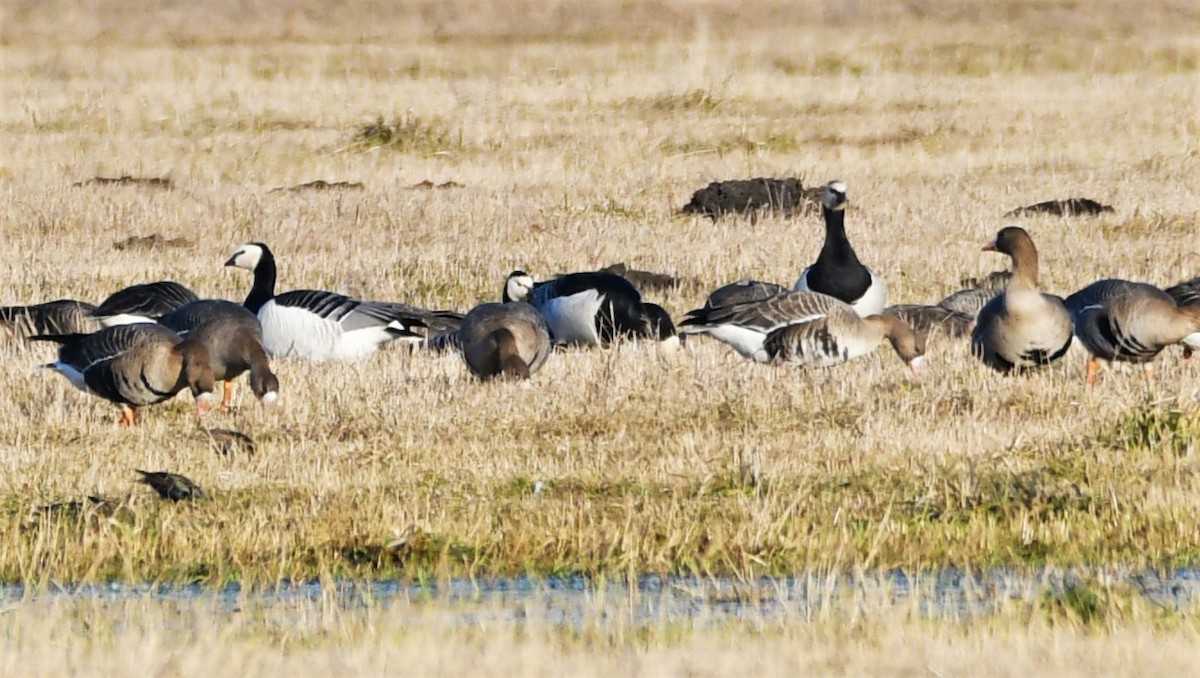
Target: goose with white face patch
column 144, row 303
column 316, row 325
column 837, row 271
column 589, row 309
column 804, row 328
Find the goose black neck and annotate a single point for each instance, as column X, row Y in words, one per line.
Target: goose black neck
column 837, row 249
column 264, row 282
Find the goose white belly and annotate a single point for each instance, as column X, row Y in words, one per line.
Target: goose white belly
column 572, row 319
column 746, row 341
column 294, row 331
column 124, row 319
column 872, row 301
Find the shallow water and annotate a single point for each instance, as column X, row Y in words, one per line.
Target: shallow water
column 576, row 601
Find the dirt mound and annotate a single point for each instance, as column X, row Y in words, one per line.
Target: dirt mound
column 743, row 196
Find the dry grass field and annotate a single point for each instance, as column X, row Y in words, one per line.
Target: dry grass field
column 576, row 130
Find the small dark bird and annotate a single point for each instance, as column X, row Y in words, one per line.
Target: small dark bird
column 227, row 441
column 171, row 485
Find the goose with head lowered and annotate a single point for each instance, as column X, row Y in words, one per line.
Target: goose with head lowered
column 837, row 271
column 144, row 303
column 590, row 309
column 1119, row 320
column 507, row 339
column 134, row 365
column 1022, row 327
column 1187, row 293
column 804, row 328
column 317, row 325
column 233, row 337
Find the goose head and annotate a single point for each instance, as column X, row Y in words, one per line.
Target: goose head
column 518, row 286
column 908, row 344
column 198, row 373
column 265, row 386
column 833, row 196
column 247, row 256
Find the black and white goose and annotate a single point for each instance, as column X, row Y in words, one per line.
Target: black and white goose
column 316, row 325
column 144, row 303
column 591, row 309
column 804, row 328
column 837, row 271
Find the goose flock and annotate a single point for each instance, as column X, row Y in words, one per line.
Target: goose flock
column 147, row 343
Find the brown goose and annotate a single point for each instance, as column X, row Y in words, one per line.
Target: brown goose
column 135, row 365
column 1187, row 293
column 233, row 338
column 62, row 316
column 804, row 328
column 1022, row 327
column 1118, row 320
column 930, row 320
column 504, row 339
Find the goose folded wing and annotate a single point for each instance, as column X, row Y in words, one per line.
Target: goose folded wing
column 351, row 314
column 787, row 308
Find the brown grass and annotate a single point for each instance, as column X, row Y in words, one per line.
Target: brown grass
column 578, row 133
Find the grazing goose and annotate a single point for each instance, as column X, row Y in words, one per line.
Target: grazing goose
column 804, row 328
column 591, row 309
column 1118, row 320
column 1021, row 327
column 507, row 339
column 316, row 325
column 929, row 320
column 134, row 365
column 837, row 271
column 234, row 341
column 62, row 316
column 1187, row 293
column 144, row 303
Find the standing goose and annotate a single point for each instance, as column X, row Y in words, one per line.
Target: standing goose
column 507, row 339
column 1187, row 293
column 62, row 316
column 837, row 271
column 317, row 325
column 593, row 309
column 804, row 328
column 1021, row 327
column 135, row 365
column 144, row 303
column 233, row 337
column 1118, row 320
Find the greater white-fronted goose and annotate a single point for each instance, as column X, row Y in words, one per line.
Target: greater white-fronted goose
column 144, row 303
column 592, row 309
column 1187, row 293
column 804, row 328
column 932, row 320
column 506, row 339
column 135, row 365
column 62, row 316
column 316, row 325
column 837, row 271
column 1119, row 320
column 233, row 337
column 1022, row 327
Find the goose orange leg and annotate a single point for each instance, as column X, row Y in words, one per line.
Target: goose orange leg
column 128, row 416
column 226, row 395
column 1093, row 369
